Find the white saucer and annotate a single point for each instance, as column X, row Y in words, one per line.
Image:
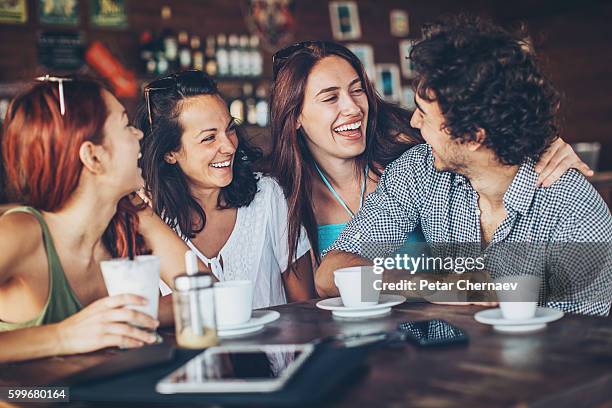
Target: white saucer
column 258, row 320
column 385, row 302
column 542, row 316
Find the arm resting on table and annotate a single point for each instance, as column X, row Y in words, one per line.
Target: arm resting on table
column 334, row 260
column 30, row 343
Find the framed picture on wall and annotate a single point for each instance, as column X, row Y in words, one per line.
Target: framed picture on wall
column 400, row 26
column 365, row 53
column 105, row 13
column 388, row 82
column 61, row 12
column 13, row 11
column 405, row 46
column 408, row 98
column 61, row 50
column 344, row 18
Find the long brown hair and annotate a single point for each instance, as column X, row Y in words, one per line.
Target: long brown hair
column 40, row 152
column 293, row 164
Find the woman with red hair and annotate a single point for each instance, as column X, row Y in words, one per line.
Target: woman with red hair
column 70, row 156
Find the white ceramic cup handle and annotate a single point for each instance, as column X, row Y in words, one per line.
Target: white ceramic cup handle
column 336, row 282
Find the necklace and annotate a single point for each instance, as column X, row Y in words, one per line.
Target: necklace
column 337, row 196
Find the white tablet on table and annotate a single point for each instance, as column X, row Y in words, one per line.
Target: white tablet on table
column 237, row 368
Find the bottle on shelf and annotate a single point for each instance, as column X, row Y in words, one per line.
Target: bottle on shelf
column 256, row 59
column 184, row 51
column 211, row 58
column 222, row 56
column 147, row 53
column 234, row 55
column 164, row 46
column 163, row 66
column 261, row 106
column 166, row 13
column 245, row 57
column 4, row 105
column 170, row 43
column 197, row 55
column 236, row 108
column 249, row 104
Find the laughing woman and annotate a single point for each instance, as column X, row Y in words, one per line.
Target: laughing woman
column 197, row 169
column 70, row 156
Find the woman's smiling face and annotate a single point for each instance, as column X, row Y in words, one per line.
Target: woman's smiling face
column 334, row 115
column 208, row 143
column 122, row 143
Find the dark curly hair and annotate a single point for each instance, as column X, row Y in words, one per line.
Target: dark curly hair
column 157, row 117
column 483, row 77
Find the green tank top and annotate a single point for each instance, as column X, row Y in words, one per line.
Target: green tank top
column 61, row 301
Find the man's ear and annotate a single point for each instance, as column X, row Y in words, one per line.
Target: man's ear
column 90, row 155
column 170, row 158
column 474, row 145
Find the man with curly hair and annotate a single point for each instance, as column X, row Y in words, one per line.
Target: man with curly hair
column 487, row 113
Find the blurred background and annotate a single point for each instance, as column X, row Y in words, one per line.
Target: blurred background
column 128, row 43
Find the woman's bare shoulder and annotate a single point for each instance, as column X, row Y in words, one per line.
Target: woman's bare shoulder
column 20, row 237
column 20, row 226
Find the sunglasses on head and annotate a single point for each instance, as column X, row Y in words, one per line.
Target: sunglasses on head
column 165, row 83
column 60, row 85
column 281, row 56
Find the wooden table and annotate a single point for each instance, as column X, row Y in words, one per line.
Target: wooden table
column 567, row 364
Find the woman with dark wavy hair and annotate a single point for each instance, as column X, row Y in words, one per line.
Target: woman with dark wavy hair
column 322, row 107
column 70, row 157
column 197, row 167
column 333, row 136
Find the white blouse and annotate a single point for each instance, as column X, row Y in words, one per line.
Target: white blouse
column 257, row 248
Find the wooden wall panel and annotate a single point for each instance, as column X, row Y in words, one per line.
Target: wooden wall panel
column 572, row 38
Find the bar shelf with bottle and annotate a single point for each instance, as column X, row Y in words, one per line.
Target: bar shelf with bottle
column 235, row 61
column 233, row 56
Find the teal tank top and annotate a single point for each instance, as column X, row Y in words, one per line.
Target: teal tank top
column 328, row 233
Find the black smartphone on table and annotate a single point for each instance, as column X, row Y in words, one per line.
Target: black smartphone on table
column 437, row 332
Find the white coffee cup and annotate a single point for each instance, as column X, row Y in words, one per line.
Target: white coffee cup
column 356, row 286
column 520, row 303
column 233, row 302
column 138, row 277
column 518, row 310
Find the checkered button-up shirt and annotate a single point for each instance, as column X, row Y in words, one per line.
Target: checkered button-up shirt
column 562, row 233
